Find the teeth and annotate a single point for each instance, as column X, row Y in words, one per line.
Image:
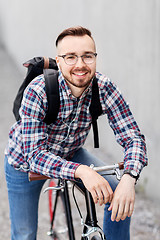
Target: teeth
column 80, row 74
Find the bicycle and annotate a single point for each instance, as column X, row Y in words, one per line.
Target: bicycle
column 60, row 193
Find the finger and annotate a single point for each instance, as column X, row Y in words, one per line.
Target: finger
column 110, row 207
column 120, row 212
column 126, row 211
column 131, row 209
column 103, row 195
column 107, row 192
column 110, row 194
column 114, row 210
column 100, row 196
column 94, row 196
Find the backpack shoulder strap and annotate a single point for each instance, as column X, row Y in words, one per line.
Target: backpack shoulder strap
column 52, row 91
column 34, row 67
column 95, row 110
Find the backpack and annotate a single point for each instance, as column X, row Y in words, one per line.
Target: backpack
column 48, row 67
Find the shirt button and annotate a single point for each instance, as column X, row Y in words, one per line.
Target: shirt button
column 25, row 165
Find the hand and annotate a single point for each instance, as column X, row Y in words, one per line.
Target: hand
column 122, row 204
column 95, row 184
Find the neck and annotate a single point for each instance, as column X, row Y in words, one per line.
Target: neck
column 76, row 91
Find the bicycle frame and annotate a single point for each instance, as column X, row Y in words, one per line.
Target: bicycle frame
column 90, row 225
column 67, row 205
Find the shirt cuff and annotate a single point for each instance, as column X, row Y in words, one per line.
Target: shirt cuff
column 68, row 170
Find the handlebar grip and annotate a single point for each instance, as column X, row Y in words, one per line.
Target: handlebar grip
column 35, row 176
column 121, row 165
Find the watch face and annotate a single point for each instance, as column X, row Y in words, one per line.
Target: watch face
column 134, row 173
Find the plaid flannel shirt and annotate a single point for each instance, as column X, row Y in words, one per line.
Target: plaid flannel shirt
column 47, row 149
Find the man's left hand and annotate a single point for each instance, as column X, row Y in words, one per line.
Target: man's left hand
column 122, row 204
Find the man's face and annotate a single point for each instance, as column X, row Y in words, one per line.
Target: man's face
column 79, row 74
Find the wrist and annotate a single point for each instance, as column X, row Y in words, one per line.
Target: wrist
column 81, row 169
column 132, row 173
column 128, row 178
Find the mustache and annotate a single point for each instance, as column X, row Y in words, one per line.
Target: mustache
column 83, row 69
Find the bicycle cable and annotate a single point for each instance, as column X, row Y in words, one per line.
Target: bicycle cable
column 75, row 200
column 74, row 197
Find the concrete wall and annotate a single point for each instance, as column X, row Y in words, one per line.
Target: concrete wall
column 127, row 35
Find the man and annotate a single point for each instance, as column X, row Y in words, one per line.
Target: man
column 57, row 150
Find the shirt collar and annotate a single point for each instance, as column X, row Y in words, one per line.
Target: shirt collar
column 64, row 85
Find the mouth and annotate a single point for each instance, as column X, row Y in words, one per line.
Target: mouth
column 80, row 74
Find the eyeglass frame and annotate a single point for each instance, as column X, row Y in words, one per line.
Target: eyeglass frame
column 63, row 56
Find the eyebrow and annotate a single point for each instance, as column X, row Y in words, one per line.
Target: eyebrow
column 73, row 53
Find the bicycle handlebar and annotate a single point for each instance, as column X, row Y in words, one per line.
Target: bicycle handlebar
column 109, row 167
column 36, row 176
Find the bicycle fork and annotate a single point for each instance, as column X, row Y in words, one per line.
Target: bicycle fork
column 65, row 198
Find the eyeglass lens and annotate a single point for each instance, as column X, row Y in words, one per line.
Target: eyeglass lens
column 87, row 58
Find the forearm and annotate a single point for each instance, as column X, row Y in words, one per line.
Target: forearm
column 135, row 156
column 37, row 153
column 48, row 164
column 125, row 128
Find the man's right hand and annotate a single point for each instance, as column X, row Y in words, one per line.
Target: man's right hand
column 95, row 184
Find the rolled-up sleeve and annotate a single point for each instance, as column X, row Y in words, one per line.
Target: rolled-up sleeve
column 125, row 128
column 35, row 137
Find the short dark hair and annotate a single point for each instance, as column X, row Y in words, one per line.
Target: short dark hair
column 73, row 31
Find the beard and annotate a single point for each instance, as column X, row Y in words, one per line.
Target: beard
column 81, row 81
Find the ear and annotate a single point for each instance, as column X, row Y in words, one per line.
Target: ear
column 57, row 61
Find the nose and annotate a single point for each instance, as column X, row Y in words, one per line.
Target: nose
column 80, row 62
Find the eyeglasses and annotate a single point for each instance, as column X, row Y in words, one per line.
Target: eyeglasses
column 71, row 59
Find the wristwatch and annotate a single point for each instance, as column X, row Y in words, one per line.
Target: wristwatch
column 132, row 173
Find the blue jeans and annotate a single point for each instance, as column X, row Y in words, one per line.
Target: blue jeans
column 24, row 197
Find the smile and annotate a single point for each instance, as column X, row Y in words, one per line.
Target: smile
column 80, row 74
